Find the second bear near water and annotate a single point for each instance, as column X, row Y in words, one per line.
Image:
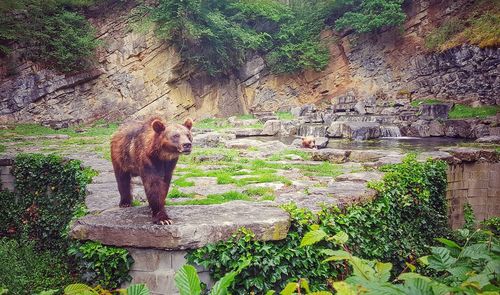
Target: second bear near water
column 149, row 149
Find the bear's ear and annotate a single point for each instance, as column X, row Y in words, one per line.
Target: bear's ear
column 158, row 126
column 188, row 123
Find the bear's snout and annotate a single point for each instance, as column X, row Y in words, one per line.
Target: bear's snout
column 186, row 148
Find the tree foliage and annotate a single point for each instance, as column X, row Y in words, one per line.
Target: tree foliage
column 218, row 36
column 52, row 32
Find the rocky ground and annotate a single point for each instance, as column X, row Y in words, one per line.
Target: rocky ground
column 234, row 177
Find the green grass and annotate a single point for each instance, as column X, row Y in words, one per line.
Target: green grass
column 419, row 102
column 175, row 193
column 246, row 117
column 136, row 203
column 214, row 199
column 460, row 111
column 212, row 123
column 323, row 169
column 284, row 115
column 182, row 182
column 2, row 148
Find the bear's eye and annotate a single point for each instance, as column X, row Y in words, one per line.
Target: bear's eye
column 176, row 136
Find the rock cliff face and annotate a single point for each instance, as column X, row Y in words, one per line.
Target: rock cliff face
column 137, row 75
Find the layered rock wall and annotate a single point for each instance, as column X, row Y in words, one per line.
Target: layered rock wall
column 138, row 75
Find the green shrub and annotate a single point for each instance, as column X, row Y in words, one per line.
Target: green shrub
column 26, row 270
column 467, row 269
column 47, row 191
column 370, row 15
column 51, row 32
column 218, row 36
column 408, row 214
column 102, row 265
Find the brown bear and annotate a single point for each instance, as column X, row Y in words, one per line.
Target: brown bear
column 149, row 149
column 308, row 142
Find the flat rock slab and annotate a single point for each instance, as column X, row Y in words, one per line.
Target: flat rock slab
column 361, row 176
column 194, row 226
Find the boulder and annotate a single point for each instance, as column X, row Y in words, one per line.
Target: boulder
column 242, row 143
column 271, row 127
column 321, row 142
column 361, row 130
column 193, row 227
column 332, row 155
column 360, row 107
column 247, row 132
column 489, row 139
column 457, row 128
column 212, row 139
column 434, row 111
column 361, row 176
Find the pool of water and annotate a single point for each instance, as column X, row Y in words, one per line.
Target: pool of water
column 417, row 144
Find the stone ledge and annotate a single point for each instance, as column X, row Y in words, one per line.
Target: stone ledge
column 194, row 226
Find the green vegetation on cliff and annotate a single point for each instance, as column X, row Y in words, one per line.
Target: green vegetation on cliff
column 51, row 32
column 480, row 26
column 218, row 36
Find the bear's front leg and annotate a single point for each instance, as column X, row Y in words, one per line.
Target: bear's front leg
column 156, row 191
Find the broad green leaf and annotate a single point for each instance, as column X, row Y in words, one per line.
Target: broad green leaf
column 460, row 272
column 411, row 276
column 187, row 280
column 290, row 288
column 220, row 288
column 339, row 238
column 424, row 260
column 440, row 258
column 481, row 279
column 383, row 271
column 270, row 292
column 411, row 266
column 320, row 293
column 362, row 269
column 448, row 243
column 312, row 237
column 137, row 289
column 315, row 227
column 344, row 288
column 476, row 251
column 304, row 284
column 79, row 289
column 338, row 255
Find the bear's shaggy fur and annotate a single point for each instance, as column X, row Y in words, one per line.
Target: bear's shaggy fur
column 149, row 149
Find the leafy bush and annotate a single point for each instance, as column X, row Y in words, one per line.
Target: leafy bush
column 51, row 32
column 47, row 191
column 26, row 270
column 467, row 269
column 102, row 265
column 188, row 282
column 370, row 15
column 218, row 36
column 397, row 226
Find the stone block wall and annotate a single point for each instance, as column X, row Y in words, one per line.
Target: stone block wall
column 6, row 178
column 156, row 268
column 477, row 184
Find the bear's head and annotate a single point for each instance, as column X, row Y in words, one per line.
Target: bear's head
column 308, row 142
column 173, row 138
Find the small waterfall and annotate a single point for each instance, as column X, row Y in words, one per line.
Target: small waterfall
column 390, row 131
column 310, row 129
